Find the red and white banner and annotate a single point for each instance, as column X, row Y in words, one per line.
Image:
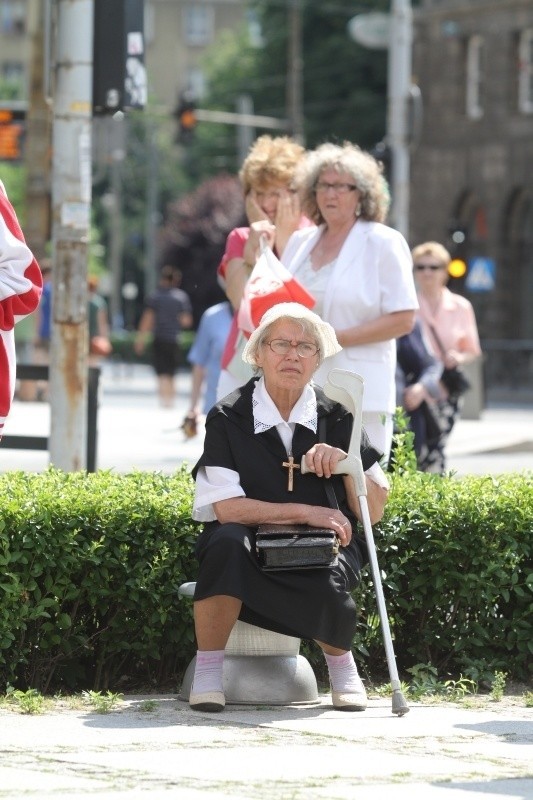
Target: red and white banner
column 270, row 283
column 20, row 290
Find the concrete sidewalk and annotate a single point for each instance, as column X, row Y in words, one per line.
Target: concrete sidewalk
column 162, row 749
column 134, row 432
column 157, row 747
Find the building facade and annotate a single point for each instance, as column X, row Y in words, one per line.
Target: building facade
column 178, row 33
column 472, row 168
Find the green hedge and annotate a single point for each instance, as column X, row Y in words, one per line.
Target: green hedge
column 90, row 565
column 457, row 564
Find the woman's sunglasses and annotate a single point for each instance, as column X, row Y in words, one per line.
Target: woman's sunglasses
column 432, row 267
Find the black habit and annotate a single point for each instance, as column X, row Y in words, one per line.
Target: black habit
column 310, row 604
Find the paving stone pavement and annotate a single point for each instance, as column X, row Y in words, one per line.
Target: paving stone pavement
column 134, row 432
column 162, row 749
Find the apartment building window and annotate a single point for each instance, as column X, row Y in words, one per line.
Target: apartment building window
column 196, row 82
column 475, row 77
column 13, row 17
column 525, row 72
column 13, row 72
column 198, row 24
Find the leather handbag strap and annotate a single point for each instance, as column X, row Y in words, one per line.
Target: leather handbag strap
column 437, row 339
column 330, row 491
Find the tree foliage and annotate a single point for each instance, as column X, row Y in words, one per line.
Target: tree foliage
column 344, row 85
column 195, row 234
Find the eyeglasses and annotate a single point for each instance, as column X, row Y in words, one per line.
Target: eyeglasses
column 281, row 347
column 432, row 267
column 338, row 188
column 273, row 194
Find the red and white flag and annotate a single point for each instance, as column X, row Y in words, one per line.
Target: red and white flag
column 270, row 283
column 20, row 289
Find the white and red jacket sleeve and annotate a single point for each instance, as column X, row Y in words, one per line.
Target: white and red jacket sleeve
column 20, row 290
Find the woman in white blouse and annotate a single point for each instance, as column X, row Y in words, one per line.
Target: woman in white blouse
column 360, row 272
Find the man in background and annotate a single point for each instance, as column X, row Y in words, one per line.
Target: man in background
column 205, row 356
column 168, row 310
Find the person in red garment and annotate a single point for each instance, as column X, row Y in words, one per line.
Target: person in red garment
column 20, row 290
column 273, row 211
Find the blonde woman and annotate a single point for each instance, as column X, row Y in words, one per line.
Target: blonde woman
column 450, row 324
column 273, row 210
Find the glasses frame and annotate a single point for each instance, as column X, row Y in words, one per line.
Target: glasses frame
column 323, row 187
column 426, row 267
column 293, row 347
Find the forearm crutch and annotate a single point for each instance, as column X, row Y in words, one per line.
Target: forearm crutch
column 347, row 388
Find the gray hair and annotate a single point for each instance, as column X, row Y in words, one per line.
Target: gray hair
column 349, row 159
column 308, row 329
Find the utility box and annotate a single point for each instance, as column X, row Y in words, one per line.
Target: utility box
column 119, row 73
column 474, row 399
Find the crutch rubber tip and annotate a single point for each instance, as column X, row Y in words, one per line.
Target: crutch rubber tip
column 399, row 706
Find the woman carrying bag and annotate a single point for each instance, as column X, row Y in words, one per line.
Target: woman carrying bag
column 449, row 322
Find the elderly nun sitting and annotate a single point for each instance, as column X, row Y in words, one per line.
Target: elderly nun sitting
column 247, row 475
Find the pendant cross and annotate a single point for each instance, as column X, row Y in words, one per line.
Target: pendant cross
column 291, row 466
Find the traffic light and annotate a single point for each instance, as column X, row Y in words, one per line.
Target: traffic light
column 185, row 113
column 383, row 153
column 458, row 250
column 119, row 74
column 12, row 128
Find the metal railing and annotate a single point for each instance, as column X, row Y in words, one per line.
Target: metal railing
column 508, row 363
column 38, row 372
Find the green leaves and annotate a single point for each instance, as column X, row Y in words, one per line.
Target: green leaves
column 459, row 554
column 90, row 567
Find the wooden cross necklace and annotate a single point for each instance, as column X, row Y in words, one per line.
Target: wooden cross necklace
column 291, row 466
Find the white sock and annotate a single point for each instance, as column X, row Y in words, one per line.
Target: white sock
column 343, row 673
column 208, row 671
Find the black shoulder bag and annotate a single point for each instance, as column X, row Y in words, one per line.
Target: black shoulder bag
column 295, row 547
column 453, row 378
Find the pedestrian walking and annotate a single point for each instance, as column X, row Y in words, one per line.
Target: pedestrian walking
column 450, row 324
column 205, row 357
column 168, row 311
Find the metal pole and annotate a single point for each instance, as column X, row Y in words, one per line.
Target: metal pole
column 399, row 82
column 116, row 245
column 71, row 206
column 295, row 72
column 245, row 133
column 151, row 222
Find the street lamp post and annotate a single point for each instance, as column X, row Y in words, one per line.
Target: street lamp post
column 399, row 84
column 393, row 32
column 71, row 206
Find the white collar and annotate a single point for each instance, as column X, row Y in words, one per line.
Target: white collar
column 266, row 414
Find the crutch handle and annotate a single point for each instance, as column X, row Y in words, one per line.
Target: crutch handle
column 351, row 465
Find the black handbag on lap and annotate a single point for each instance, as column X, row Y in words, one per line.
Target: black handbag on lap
column 296, row 547
column 299, row 546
